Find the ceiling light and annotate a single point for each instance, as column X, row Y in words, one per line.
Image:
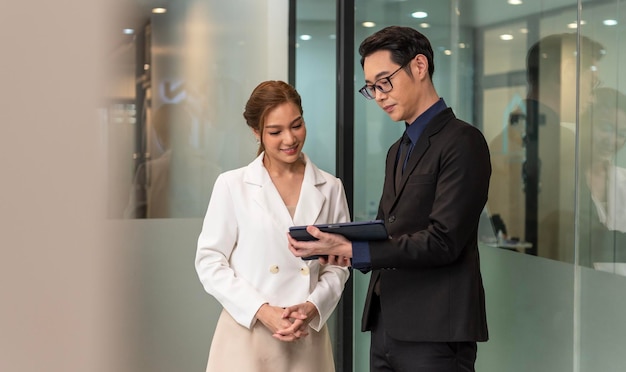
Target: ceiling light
column 523, row 30
column 368, row 24
column 305, row 37
column 159, row 10
column 424, row 25
column 128, row 31
column 506, row 37
column 515, row 2
column 447, row 52
column 609, row 22
column 419, row 14
column 575, row 24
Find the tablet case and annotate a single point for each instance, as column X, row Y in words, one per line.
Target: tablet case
column 354, row 231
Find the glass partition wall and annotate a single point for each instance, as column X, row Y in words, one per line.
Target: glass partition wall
column 181, row 73
column 542, row 80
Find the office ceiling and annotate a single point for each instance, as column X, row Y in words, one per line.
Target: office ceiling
column 136, row 13
column 474, row 11
column 133, row 12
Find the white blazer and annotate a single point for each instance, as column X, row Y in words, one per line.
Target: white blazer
column 243, row 259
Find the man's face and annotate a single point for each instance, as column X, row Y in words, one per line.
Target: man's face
column 401, row 102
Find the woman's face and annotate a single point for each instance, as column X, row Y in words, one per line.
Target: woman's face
column 283, row 134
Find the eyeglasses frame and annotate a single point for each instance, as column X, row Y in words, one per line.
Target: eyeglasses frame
column 365, row 89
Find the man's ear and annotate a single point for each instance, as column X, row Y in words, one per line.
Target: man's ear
column 421, row 66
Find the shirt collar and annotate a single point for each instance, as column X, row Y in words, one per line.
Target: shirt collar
column 417, row 127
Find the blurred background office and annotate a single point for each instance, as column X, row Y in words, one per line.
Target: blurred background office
column 118, row 116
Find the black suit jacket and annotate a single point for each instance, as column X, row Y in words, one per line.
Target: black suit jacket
column 431, row 286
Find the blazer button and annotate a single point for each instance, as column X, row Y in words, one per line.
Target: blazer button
column 304, row 270
column 392, row 219
column 274, row 269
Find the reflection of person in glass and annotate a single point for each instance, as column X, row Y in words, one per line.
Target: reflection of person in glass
column 172, row 184
column 606, row 180
column 536, row 198
column 275, row 305
column 603, row 201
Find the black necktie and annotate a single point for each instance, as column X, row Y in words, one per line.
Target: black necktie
column 404, row 149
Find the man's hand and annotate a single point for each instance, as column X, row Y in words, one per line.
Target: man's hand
column 336, row 260
column 326, row 244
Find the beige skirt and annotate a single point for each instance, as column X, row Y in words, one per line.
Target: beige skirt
column 236, row 348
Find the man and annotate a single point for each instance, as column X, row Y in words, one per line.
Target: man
column 425, row 305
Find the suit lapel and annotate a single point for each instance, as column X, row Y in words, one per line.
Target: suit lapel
column 389, row 193
column 422, row 145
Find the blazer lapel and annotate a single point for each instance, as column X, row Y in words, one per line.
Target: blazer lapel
column 265, row 194
column 311, row 200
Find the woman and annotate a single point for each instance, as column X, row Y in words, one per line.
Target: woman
column 275, row 305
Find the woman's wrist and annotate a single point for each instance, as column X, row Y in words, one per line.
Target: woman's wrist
column 311, row 312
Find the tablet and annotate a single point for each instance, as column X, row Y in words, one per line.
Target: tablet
column 359, row 231
column 355, row 231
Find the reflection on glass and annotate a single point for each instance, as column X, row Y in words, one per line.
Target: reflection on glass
column 188, row 74
column 542, row 129
column 603, row 184
column 315, row 77
column 174, row 180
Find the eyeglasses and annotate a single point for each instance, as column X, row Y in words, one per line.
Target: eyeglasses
column 383, row 85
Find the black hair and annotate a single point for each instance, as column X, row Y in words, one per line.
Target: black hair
column 404, row 43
